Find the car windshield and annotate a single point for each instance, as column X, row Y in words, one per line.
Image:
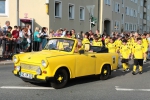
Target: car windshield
column 60, row 44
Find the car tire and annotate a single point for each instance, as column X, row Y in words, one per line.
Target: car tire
column 105, row 72
column 60, row 79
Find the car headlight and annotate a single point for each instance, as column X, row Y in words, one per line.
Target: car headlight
column 15, row 59
column 44, row 63
column 38, row 71
column 18, row 68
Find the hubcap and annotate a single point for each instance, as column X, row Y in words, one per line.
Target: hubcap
column 105, row 71
column 60, row 78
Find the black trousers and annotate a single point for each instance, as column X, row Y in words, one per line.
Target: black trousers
column 138, row 62
column 36, row 46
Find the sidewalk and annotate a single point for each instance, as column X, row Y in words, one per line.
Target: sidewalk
column 4, row 62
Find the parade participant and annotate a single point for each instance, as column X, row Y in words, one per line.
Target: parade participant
column 97, row 41
column 145, row 45
column 138, row 54
column 125, row 52
column 107, row 39
column 118, row 43
column 86, row 39
column 111, row 46
column 73, row 34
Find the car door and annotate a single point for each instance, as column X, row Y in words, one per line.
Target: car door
column 85, row 64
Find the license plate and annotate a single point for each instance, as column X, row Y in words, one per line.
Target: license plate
column 26, row 75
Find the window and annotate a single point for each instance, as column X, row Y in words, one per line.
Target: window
column 71, row 11
column 122, row 3
column 141, row 15
column 122, row 18
column 117, row 7
column 138, row 9
column 117, row 25
column 3, row 7
column 148, row 18
column 135, row 13
column 82, row 13
column 126, row 26
column 108, row 2
column 141, row 3
column 58, row 8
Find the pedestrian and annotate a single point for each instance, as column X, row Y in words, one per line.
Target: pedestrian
column 145, row 45
column 138, row 54
column 125, row 53
column 111, row 46
column 44, row 37
column 37, row 39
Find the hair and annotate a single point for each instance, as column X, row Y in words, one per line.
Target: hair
column 25, row 29
column 15, row 26
column 9, row 27
column 139, row 39
column 7, row 22
column 51, row 31
column 37, row 29
column 44, row 28
column 87, row 34
column 124, row 40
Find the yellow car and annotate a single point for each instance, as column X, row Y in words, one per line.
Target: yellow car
column 59, row 62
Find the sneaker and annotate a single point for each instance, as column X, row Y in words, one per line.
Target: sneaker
column 144, row 61
column 134, row 73
column 127, row 69
column 123, row 71
column 140, row 72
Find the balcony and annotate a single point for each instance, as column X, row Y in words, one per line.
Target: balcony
column 145, row 10
column 144, row 21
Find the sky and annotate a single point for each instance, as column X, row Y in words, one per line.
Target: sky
column 2, row 6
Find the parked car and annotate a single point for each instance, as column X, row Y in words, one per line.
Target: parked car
column 59, row 62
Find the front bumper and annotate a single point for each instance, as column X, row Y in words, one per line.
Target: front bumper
column 35, row 79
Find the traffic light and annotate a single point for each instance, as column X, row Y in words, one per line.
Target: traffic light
column 93, row 21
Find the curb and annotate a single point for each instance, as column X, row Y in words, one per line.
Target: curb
column 6, row 63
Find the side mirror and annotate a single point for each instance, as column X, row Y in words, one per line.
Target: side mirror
column 81, row 51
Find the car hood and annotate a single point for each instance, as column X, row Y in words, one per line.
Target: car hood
column 36, row 57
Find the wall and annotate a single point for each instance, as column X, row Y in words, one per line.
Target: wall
column 65, row 22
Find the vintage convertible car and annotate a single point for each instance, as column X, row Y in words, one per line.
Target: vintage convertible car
column 59, row 62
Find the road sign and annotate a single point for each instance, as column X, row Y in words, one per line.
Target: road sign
column 91, row 9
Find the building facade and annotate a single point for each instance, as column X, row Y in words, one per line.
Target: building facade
column 111, row 15
column 54, row 14
column 127, row 15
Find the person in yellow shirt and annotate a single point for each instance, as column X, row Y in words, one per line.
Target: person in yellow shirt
column 145, row 45
column 138, row 54
column 85, row 39
column 107, row 40
column 125, row 52
column 111, row 46
column 97, row 41
column 118, row 43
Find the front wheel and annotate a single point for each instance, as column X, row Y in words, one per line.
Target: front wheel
column 105, row 72
column 60, row 79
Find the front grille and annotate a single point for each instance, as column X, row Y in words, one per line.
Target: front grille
column 29, row 67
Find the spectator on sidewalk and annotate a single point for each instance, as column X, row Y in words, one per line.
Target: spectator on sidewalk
column 44, row 37
column 37, row 39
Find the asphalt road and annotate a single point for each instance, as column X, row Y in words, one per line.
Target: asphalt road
column 120, row 86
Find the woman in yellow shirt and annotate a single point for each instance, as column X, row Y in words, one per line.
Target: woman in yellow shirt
column 111, row 46
column 97, row 41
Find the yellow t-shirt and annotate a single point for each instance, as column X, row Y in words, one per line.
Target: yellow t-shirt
column 85, row 40
column 138, row 51
column 106, row 41
column 111, row 47
column 145, row 44
column 125, row 51
column 98, row 43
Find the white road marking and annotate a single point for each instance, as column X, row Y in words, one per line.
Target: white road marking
column 128, row 89
column 29, row 88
